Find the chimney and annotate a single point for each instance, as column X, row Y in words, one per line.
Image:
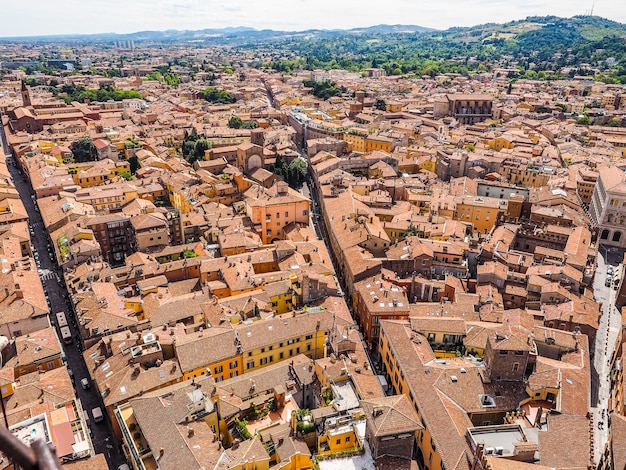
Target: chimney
column 190, row 433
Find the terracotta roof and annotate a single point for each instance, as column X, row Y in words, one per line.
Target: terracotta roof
column 391, row 415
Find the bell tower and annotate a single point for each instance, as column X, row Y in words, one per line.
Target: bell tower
column 25, row 95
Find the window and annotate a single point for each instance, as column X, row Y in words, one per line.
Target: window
column 250, row 364
column 219, row 378
column 305, row 212
column 503, row 352
column 348, row 439
column 519, row 353
column 263, row 361
column 515, row 366
column 308, row 337
column 338, row 441
column 286, row 214
column 233, row 365
column 219, row 369
column 281, row 355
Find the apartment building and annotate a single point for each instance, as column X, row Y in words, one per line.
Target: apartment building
column 114, row 233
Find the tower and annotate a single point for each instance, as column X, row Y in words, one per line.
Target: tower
column 25, row 95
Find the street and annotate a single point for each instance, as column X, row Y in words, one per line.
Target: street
column 608, row 328
column 57, row 294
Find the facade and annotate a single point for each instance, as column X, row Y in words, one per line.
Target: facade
column 607, row 209
column 467, row 109
column 271, row 210
column 114, row 233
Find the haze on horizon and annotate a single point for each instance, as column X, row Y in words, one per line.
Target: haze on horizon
column 45, row 17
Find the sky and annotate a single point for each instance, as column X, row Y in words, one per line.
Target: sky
column 44, row 17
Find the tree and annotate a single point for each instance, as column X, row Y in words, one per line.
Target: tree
column 84, row 150
column 134, row 164
column 380, row 104
column 584, row 120
column 235, row 122
column 201, row 146
column 213, row 95
column 296, row 173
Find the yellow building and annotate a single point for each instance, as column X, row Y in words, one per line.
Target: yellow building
column 276, row 339
column 356, row 138
column 37, row 351
column 498, row 143
column 482, row 212
column 440, row 434
column 281, row 295
column 212, row 351
column 340, row 435
column 378, row 142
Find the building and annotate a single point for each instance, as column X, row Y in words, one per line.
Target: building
column 467, row 109
column 273, row 209
column 392, row 424
column 607, row 209
column 114, row 233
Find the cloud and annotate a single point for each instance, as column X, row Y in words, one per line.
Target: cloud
column 78, row 16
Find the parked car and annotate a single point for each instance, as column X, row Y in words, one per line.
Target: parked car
column 97, row 414
column 84, row 382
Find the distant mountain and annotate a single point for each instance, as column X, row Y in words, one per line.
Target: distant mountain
column 533, row 29
column 395, row 28
column 227, row 34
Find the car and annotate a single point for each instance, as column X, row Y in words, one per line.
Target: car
column 97, row 414
column 124, row 466
column 71, row 374
column 84, row 382
column 607, row 283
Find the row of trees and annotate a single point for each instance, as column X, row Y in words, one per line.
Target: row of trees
column 235, row 122
column 79, row 93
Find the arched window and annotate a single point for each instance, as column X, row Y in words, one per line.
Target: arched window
column 617, row 236
column 605, row 234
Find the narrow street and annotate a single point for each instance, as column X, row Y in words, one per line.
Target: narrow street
column 608, row 328
column 102, row 437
